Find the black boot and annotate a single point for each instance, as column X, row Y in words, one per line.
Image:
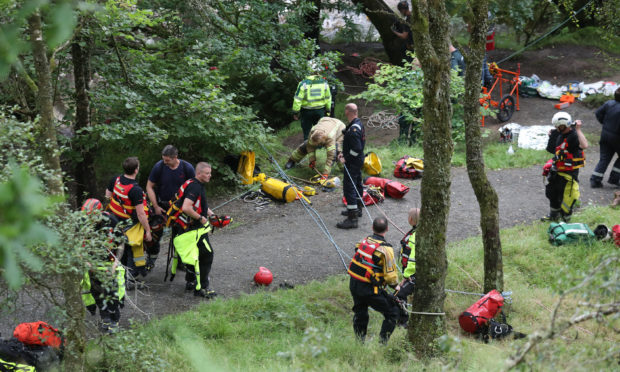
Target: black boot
column 289, row 164
column 554, row 216
column 350, row 222
column 346, row 212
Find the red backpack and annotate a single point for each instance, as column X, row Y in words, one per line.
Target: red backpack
column 38, row 333
column 401, row 170
column 393, row 189
column 477, row 315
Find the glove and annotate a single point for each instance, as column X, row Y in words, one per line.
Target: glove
column 312, row 164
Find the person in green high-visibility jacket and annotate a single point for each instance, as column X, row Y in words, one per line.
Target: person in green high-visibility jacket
column 312, row 101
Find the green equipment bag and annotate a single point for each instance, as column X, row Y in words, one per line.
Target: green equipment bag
column 568, row 233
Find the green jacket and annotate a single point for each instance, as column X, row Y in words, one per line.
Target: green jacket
column 312, row 93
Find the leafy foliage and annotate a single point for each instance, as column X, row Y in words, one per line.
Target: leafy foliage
column 401, row 89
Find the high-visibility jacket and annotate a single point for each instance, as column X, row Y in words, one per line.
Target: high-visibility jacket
column 407, row 253
column 312, row 93
column 565, row 161
column 175, row 213
column 373, row 262
column 87, row 296
column 333, row 130
column 120, row 204
column 5, row 365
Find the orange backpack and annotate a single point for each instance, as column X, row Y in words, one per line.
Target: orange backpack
column 38, row 333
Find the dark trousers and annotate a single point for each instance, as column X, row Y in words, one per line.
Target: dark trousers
column 309, row 118
column 363, row 297
column 352, row 186
column 205, row 260
column 106, row 298
column 607, row 153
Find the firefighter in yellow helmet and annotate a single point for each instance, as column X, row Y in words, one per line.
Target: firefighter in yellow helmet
column 312, row 99
column 326, row 133
column 371, row 269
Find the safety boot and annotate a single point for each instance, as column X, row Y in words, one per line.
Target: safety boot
column 350, row 222
column 346, row 212
column 553, row 216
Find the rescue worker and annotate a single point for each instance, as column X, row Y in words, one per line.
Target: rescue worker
column 312, row 99
column 327, row 133
column 192, row 212
column 457, row 62
column 128, row 204
column 567, row 145
column 403, row 31
column 352, row 157
column 165, row 179
column 371, row 269
column 407, row 258
column 103, row 286
column 609, row 116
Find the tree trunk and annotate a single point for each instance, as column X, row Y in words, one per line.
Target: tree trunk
column 485, row 193
column 74, row 331
column 84, row 172
column 46, row 128
column 382, row 17
column 431, row 261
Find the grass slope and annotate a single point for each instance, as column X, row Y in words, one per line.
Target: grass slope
column 309, row 327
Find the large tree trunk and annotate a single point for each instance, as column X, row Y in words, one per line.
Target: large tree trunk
column 46, row 128
column 382, row 17
column 313, row 20
column 74, row 331
column 431, row 36
column 485, row 193
column 84, row 172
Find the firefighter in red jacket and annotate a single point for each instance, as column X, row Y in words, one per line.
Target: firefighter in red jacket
column 128, row 204
column 371, row 269
column 567, row 145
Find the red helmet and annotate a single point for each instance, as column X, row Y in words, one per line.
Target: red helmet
column 91, row 205
column 263, row 276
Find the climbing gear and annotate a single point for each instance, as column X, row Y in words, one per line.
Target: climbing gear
column 372, row 164
column 567, row 233
column 561, row 118
column 393, row 189
column 120, row 204
column 364, row 268
column 408, row 167
column 220, row 222
column 258, row 198
column 477, row 315
column 565, row 161
column 38, row 333
column 175, row 212
column 91, row 205
column 263, row 276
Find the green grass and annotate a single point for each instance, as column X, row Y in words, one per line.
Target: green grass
column 309, row 327
column 587, row 36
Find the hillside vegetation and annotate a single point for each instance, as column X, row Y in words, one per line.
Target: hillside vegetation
column 309, row 327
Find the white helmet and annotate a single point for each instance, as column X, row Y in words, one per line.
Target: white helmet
column 561, row 118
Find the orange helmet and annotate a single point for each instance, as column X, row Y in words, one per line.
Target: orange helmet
column 263, row 276
column 91, row 205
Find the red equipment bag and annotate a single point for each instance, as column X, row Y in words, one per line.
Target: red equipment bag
column 616, row 234
column 393, row 189
column 478, row 314
column 38, row 333
column 366, row 198
column 402, row 171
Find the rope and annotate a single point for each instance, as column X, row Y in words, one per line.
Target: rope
column 316, row 217
column 545, row 35
column 367, row 68
column 382, row 120
column 237, row 197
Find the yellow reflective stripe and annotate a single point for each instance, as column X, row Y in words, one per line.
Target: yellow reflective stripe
column 361, row 278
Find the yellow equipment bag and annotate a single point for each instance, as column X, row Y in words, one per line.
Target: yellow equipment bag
column 418, row 164
column 279, row 190
column 246, row 166
column 135, row 239
column 372, row 164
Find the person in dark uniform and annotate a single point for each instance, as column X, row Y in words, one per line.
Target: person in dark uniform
column 165, row 179
column 403, row 31
column 192, row 212
column 128, row 205
column 567, row 145
column 609, row 116
column 371, row 269
column 352, row 157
